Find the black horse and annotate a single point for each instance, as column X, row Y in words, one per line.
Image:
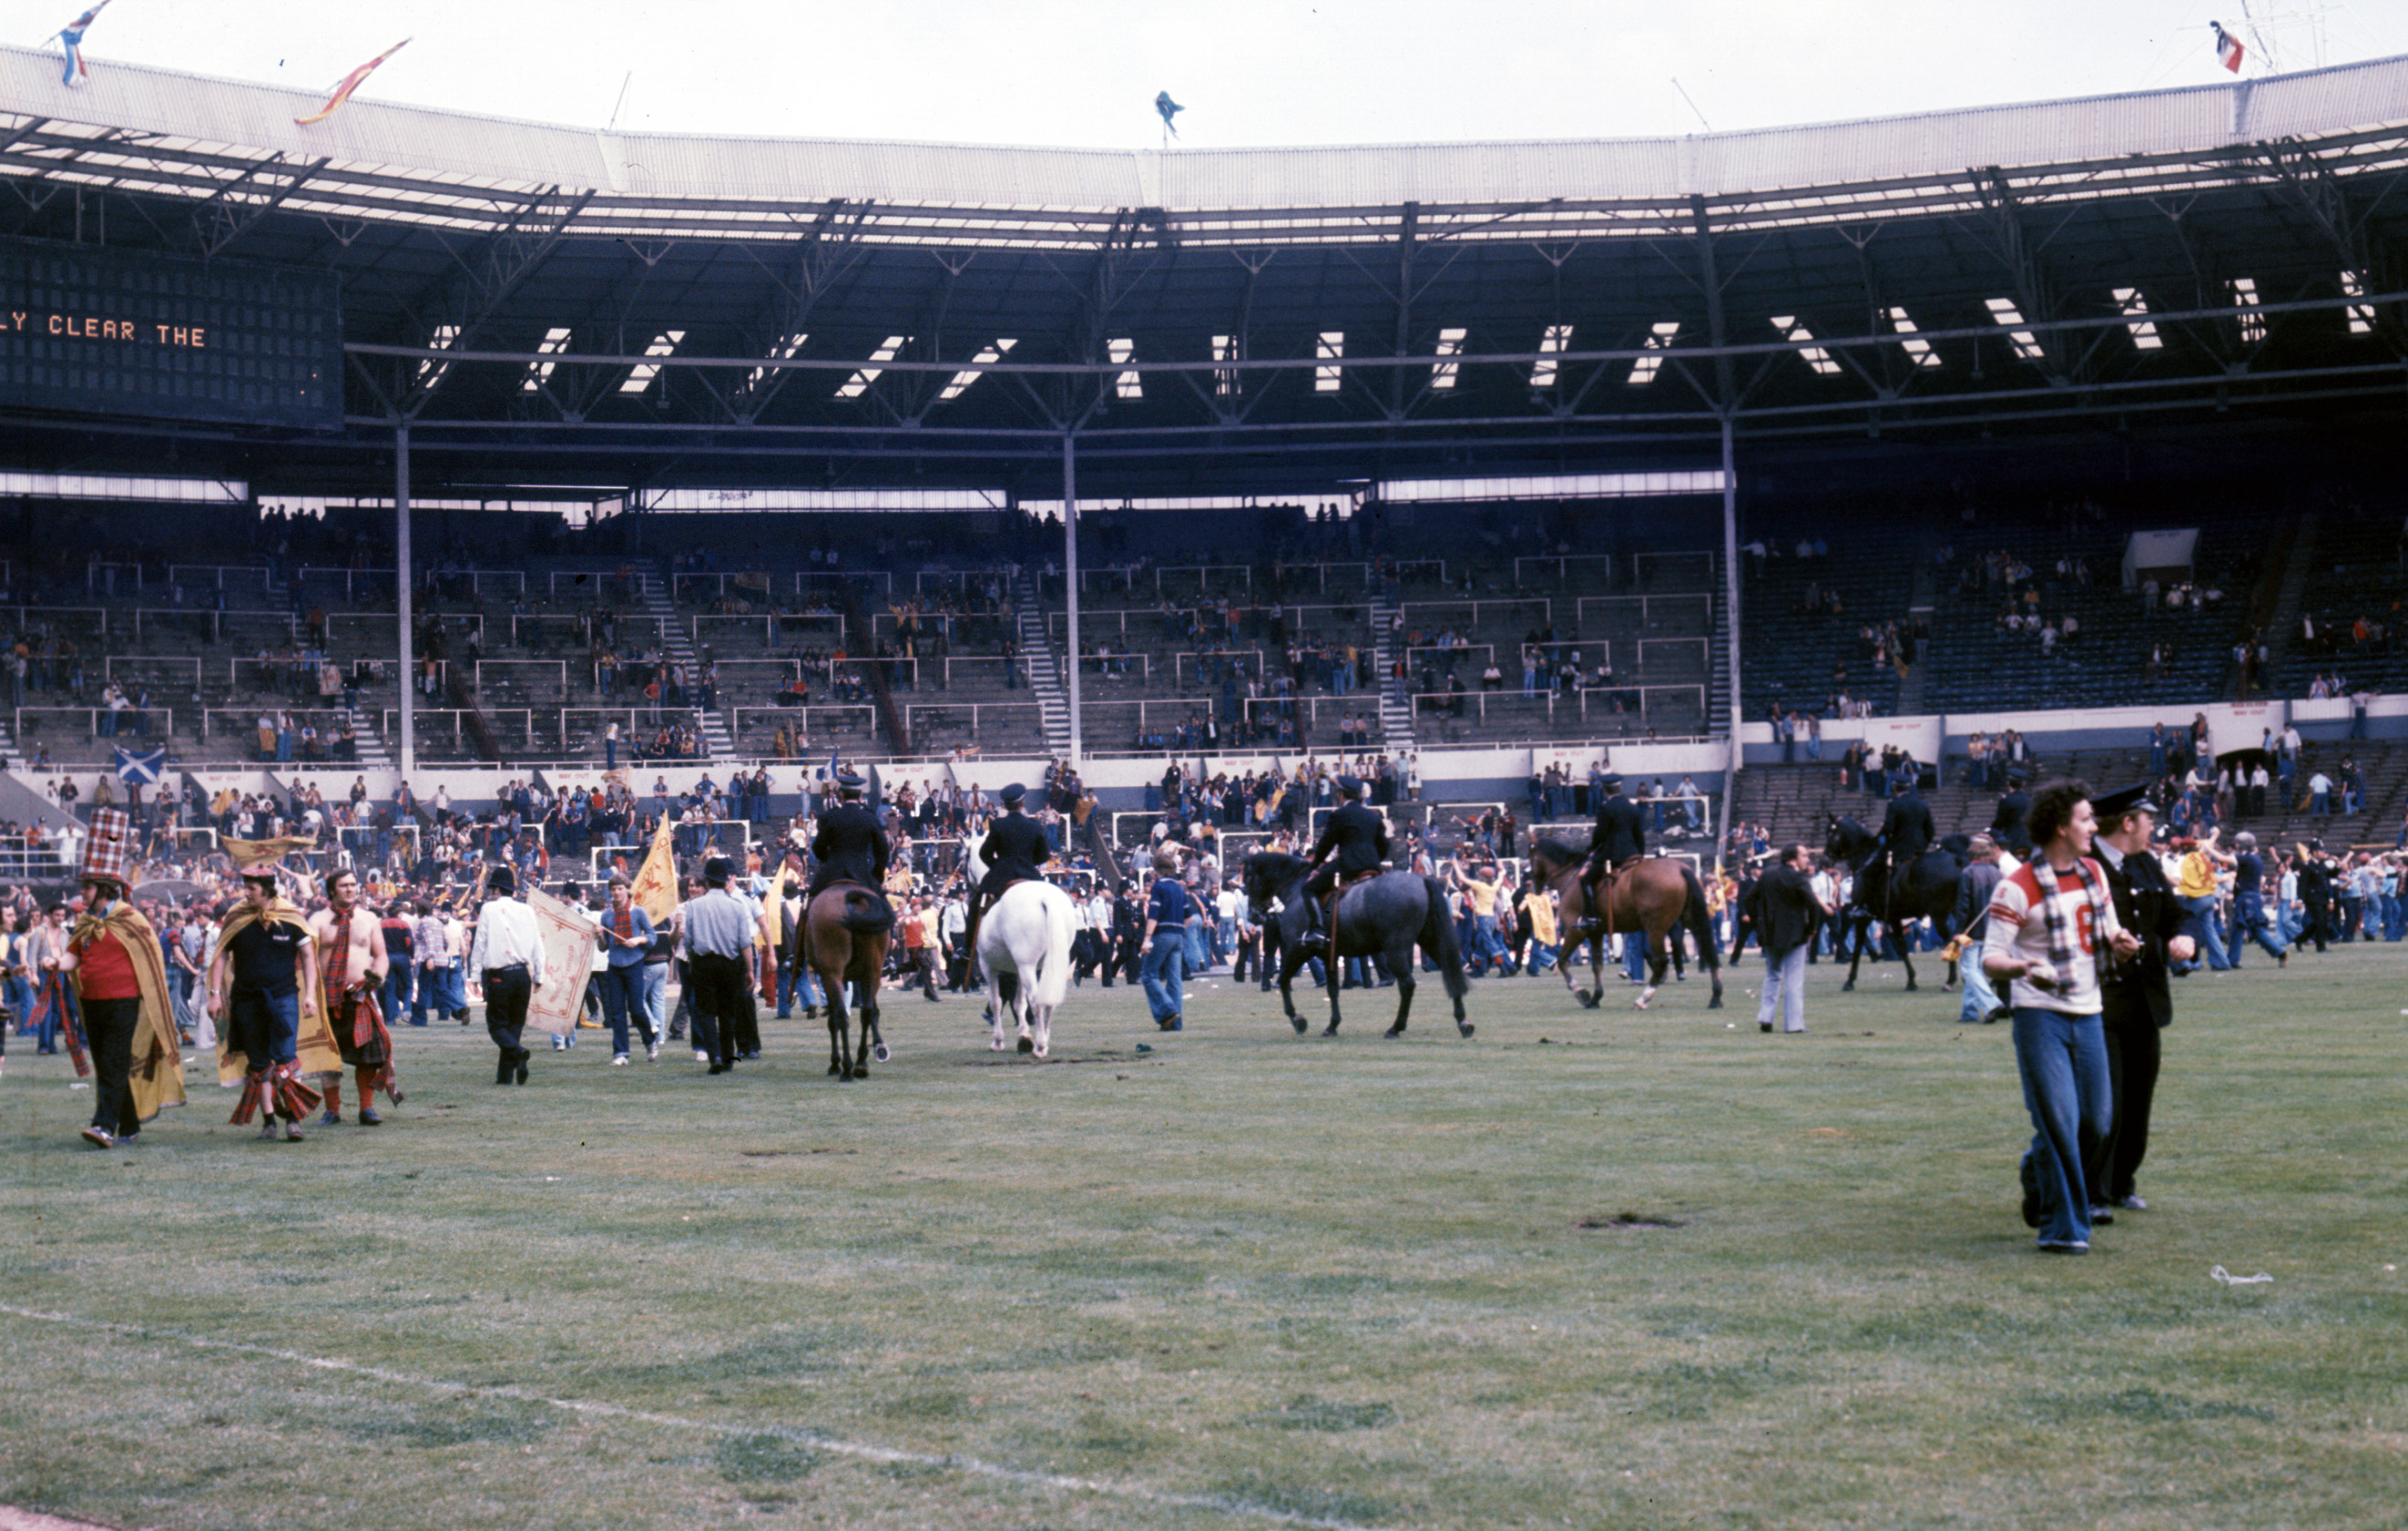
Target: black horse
column 1891, row 903
column 1386, row 917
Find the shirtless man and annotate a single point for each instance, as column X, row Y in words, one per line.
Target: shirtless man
column 350, row 945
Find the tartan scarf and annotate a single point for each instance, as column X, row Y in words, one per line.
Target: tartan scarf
column 2061, row 939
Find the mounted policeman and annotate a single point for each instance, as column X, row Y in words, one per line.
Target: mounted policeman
column 1015, row 849
column 1353, row 845
column 1619, row 839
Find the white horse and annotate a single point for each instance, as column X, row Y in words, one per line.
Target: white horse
column 1024, row 943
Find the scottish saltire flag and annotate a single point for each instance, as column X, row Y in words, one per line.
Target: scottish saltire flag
column 350, row 82
column 2228, row 48
column 71, row 41
column 141, row 770
column 1169, row 108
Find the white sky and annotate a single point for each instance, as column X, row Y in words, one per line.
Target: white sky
column 1251, row 72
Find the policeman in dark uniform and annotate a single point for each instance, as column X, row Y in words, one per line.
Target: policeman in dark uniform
column 2135, row 998
column 1354, row 841
column 851, row 845
column 1014, row 847
column 1906, row 826
column 1620, row 838
column 2009, row 826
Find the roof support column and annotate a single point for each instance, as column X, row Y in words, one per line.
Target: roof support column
column 1726, row 405
column 1070, row 575
column 401, row 593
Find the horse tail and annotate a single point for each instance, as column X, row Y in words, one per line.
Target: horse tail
column 867, row 913
column 1438, row 937
column 1050, row 984
column 1700, row 919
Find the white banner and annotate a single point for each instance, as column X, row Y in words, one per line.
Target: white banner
column 568, row 963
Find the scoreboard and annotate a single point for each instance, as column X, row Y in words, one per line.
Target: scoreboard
column 126, row 332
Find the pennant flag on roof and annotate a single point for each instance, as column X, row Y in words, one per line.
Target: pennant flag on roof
column 140, row 770
column 71, row 42
column 1169, row 108
column 2228, row 48
column 350, row 82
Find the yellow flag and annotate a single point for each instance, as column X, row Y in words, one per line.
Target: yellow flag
column 773, row 902
column 655, row 887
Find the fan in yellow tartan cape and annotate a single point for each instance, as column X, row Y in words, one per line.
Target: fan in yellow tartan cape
column 314, row 1049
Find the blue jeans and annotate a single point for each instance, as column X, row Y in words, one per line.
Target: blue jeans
column 2062, row 1060
column 622, row 996
column 396, row 990
column 794, row 981
column 2212, row 946
column 2249, row 925
column 1487, row 946
column 1165, row 972
column 1198, row 958
column 1980, row 997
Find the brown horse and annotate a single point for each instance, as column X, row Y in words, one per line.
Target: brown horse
column 1657, row 894
column 847, row 929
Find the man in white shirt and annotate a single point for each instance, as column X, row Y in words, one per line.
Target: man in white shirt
column 508, row 952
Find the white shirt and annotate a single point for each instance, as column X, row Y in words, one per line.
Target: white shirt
column 506, row 934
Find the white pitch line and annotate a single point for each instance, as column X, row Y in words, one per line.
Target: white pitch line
column 1217, row 1503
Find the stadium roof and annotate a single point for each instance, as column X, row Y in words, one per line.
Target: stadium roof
column 688, row 309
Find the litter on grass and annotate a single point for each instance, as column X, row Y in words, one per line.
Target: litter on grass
column 2228, row 1279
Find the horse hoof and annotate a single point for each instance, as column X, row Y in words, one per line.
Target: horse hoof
column 1849, row 987
column 833, row 1070
column 882, row 1053
column 1588, row 998
column 1331, row 1029
column 996, row 1045
column 1297, row 1021
column 1041, row 1051
column 1715, row 1003
column 1027, row 1045
column 1394, row 1031
column 862, row 1072
column 1463, row 1028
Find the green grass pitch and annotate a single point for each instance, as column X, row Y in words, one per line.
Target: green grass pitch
column 1589, row 1268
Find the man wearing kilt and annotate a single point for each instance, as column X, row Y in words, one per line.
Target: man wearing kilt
column 262, row 986
column 351, row 966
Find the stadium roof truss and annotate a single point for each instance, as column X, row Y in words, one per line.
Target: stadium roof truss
column 867, row 310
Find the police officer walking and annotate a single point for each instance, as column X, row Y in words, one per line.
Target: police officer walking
column 2137, row 1001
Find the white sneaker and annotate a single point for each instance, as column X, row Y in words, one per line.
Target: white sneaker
column 700, row 1056
column 618, row 1060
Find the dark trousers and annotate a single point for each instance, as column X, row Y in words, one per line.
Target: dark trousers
column 716, row 987
column 397, row 988
column 2133, row 1054
column 109, row 1031
column 506, row 992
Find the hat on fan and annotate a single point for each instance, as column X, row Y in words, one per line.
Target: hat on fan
column 108, row 854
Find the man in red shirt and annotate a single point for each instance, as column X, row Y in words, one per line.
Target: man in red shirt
column 120, row 977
